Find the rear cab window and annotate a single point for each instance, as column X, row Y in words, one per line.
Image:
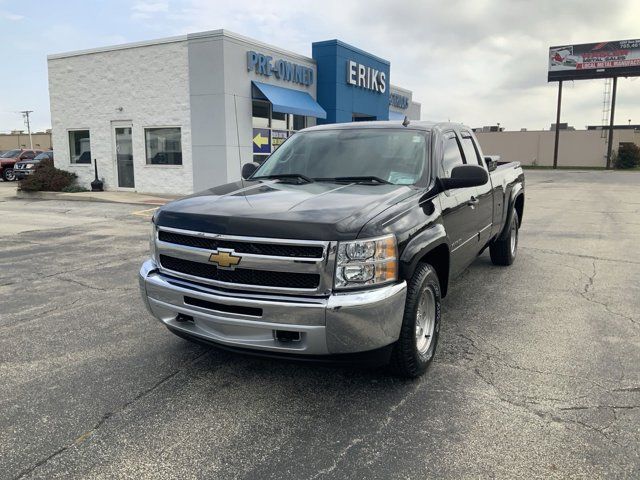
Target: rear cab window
column 470, row 150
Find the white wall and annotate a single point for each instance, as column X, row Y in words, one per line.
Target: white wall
column 149, row 82
column 577, row 148
column 220, row 86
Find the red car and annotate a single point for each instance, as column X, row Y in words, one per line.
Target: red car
column 9, row 159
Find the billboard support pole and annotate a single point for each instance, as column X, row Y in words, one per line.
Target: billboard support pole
column 613, row 111
column 555, row 148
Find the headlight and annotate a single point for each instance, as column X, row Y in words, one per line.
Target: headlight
column 29, row 165
column 366, row 262
column 152, row 242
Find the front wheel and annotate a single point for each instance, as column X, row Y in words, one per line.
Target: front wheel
column 414, row 350
column 503, row 252
column 9, row 175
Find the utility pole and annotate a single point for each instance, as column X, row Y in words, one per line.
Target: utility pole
column 613, row 112
column 557, row 141
column 25, row 114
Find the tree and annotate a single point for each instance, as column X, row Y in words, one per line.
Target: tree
column 627, row 156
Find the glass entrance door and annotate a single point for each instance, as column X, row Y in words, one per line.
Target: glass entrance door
column 124, row 157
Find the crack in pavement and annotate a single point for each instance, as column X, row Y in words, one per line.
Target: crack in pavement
column 505, row 363
column 545, row 415
column 543, row 411
column 89, row 433
column 578, row 255
column 587, row 287
column 82, row 284
column 358, row 440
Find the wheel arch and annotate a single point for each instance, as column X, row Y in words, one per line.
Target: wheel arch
column 430, row 246
column 516, row 200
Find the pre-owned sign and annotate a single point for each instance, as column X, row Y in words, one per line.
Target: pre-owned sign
column 594, row 60
column 281, row 69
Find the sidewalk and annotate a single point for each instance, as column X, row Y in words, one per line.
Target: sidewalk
column 111, row 197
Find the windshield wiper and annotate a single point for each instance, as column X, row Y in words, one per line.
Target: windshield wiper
column 283, row 176
column 357, row 179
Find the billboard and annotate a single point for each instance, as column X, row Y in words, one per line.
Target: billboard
column 594, row 60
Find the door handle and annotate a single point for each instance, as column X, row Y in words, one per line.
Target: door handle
column 473, row 201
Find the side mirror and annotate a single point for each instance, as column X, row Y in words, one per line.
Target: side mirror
column 492, row 162
column 248, row 169
column 464, row 176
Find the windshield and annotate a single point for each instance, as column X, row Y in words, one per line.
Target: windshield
column 42, row 156
column 393, row 155
column 10, row 154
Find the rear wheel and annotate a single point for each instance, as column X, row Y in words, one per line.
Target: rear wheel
column 503, row 252
column 414, row 350
column 9, row 175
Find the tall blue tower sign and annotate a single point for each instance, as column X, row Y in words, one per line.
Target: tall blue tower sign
column 352, row 85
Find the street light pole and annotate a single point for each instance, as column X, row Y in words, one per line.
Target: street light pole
column 26, row 113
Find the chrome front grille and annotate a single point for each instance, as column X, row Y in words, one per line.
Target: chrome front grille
column 265, row 264
column 267, row 249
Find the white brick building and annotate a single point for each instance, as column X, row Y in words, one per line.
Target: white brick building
column 183, row 114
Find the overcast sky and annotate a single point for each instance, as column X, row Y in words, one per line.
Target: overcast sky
column 478, row 62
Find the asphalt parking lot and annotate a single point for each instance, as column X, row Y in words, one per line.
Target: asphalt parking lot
column 537, row 373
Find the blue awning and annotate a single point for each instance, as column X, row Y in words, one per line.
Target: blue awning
column 286, row 100
column 396, row 115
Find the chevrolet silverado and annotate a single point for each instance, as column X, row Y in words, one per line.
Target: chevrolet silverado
column 342, row 244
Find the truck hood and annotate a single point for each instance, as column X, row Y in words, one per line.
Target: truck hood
column 276, row 209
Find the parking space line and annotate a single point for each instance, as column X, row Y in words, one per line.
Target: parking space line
column 144, row 213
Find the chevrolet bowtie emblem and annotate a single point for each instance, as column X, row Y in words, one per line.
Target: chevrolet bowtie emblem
column 225, row 259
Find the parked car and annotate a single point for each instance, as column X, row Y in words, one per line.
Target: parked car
column 9, row 159
column 344, row 241
column 24, row 168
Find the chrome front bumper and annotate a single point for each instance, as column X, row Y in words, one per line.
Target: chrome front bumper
column 340, row 323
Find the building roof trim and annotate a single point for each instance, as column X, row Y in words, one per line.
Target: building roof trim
column 221, row 33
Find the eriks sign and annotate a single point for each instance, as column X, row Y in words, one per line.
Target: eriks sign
column 369, row 78
column 281, row 69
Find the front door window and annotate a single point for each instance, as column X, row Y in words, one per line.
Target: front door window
column 124, row 157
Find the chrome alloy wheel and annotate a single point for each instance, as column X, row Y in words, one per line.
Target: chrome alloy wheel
column 10, row 175
column 514, row 238
column 425, row 320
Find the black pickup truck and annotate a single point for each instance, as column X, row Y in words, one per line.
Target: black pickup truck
column 341, row 244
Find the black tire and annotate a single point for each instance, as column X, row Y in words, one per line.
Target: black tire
column 503, row 252
column 406, row 359
column 8, row 175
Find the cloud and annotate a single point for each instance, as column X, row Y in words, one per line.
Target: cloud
column 12, row 17
column 147, row 9
column 475, row 61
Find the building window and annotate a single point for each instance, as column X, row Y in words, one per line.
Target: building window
column 79, row 146
column 163, row 146
column 299, row 122
column 279, row 121
column 280, row 125
column 261, row 113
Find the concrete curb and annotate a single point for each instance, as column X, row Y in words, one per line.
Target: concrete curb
column 105, row 197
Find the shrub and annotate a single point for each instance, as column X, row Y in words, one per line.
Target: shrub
column 47, row 178
column 627, row 156
column 74, row 189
